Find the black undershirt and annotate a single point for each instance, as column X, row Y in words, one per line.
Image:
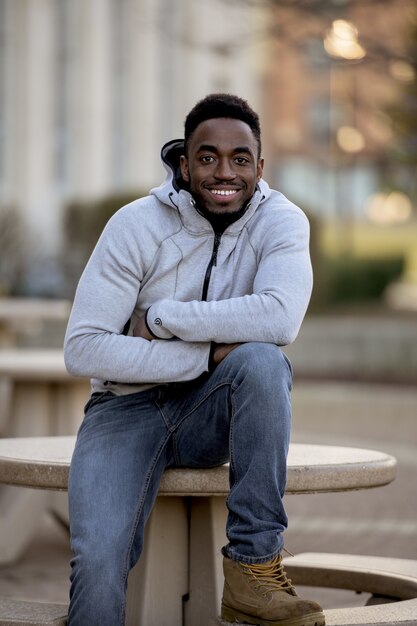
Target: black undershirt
column 220, row 221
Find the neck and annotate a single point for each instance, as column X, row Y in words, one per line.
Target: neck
column 220, row 221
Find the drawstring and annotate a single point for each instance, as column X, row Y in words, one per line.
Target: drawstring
column 171, row 200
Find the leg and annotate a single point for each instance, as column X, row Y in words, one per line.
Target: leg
column 244, row 409
column 259, row 440
column 246, row 405
column 115, row 472
column 256, row 588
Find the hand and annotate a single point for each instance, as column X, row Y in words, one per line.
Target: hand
column 141, row 330
column 222, row 350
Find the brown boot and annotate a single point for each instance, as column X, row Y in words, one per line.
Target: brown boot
column 262, row 594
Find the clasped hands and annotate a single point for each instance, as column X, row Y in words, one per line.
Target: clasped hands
column 220, row 352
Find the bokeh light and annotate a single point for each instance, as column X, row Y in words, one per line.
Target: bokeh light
column 391, row 208
column 341, row 41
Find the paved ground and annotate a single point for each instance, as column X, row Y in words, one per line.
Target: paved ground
column 377, row 522
column 380, row 522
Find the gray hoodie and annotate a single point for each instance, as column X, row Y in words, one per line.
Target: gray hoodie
column 155, row 257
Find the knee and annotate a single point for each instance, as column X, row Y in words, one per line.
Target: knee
column 262, row 398
column 264, row 364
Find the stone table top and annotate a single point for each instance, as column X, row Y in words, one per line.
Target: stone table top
column 43, row 462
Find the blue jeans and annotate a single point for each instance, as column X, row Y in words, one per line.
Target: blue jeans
column 241, row 412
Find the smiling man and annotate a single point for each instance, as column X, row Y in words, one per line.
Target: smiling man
column 222, row 165
column 178, row 319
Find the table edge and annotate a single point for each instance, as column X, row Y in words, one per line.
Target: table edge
column 196, row 482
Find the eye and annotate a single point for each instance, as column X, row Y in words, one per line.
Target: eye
column 207, row 159
column 241, row 160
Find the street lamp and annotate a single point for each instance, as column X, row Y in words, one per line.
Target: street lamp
column 341, row 41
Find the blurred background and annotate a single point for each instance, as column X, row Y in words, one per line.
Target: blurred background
column 89, row 92
column 91, row 89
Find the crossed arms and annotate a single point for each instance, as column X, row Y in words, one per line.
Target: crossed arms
column 177, row 342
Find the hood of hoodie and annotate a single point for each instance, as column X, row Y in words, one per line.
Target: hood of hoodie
column 174, row 187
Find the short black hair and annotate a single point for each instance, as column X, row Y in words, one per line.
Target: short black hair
column 222, row 105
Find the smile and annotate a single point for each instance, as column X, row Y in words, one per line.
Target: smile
column 223, row 192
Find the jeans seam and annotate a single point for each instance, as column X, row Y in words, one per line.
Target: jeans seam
column 166, row 421
column 175, row 452
column 203, row 399
column 232, row 463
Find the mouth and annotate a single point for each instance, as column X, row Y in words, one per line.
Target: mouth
column 223, row 193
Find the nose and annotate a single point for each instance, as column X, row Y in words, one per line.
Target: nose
column 224, row 170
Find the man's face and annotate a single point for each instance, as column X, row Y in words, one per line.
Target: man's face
column 222, row 166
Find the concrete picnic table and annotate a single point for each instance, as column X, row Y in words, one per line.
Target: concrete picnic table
column 187, row 526
column 22, row 315
column 37, row 398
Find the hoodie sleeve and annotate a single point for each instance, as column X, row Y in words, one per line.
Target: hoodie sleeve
column 106, row 296
column 273, row 313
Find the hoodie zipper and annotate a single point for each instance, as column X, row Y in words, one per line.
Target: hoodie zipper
column 212, row 263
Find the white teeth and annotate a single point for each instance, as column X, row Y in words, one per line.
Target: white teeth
column 223, row 192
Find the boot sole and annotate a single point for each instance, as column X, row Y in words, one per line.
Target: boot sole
column 236, row 617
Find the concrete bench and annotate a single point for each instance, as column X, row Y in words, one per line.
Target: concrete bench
column 391, row 579
column 22, row 613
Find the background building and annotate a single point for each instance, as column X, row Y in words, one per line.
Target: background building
column 90, row 90
column 330, row 79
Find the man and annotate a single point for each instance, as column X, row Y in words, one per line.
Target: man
column 177, row 319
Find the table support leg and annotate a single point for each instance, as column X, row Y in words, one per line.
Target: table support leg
column 207, row 536
column 21, row 512
column 159, row 581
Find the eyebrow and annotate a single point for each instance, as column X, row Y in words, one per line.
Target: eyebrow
column 239, row 149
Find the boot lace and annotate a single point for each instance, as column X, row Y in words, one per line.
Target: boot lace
column 269, row 576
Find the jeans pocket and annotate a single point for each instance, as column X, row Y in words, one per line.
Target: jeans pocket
column 97, row 397
column 288, row 362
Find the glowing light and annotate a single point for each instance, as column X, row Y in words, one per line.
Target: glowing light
column 402, row 71
column 341, row 41
column 388, row 208
column 350, row 139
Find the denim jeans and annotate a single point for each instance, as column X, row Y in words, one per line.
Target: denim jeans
column 241, row 412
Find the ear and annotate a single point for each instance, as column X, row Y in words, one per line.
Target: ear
column 259, row 169
column 184, row 168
